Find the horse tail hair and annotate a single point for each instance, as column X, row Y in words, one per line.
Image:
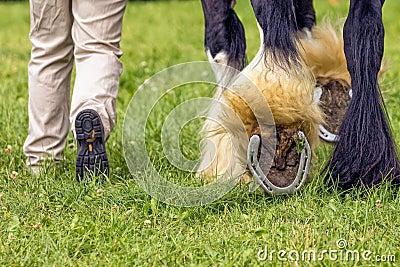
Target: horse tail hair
column 365, row 153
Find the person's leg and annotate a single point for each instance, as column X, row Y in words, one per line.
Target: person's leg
column 49, row 73
column 96, row 33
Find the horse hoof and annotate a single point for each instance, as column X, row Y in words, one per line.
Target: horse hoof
column 335, row 98
column 282, row 171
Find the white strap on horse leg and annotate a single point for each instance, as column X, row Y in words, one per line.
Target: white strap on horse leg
column 261, row 178
column 324, row 133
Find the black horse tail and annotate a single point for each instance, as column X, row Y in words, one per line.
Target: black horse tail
column 365, row 153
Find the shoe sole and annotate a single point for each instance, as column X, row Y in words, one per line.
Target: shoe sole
column 91, row 157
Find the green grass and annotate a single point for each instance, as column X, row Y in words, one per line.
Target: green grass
column 53, row 220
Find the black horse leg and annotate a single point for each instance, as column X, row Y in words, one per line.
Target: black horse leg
column 225, row 41
column 277, row 21
column 305, row 14
column 365, row 153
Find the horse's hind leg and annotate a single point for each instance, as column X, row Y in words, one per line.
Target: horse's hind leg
column 288, row 86
column 225, row 41
column 365, row 153
column 277, row 24
column 323, row 53
column 286, row 83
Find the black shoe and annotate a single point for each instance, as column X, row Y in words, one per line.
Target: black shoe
column 91, row 158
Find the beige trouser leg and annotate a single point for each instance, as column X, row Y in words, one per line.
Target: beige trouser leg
column 49, row 74
column 97, row 32
column 90, row 30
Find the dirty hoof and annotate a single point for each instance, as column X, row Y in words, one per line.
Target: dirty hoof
column 334, row 96
column 282, row 171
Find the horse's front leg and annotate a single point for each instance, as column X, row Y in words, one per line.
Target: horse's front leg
column 287, row 84
column 225, row 46
column 365, row 153
column 305, row 14
column 224, row 41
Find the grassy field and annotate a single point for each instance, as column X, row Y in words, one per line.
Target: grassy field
column 52, row 220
